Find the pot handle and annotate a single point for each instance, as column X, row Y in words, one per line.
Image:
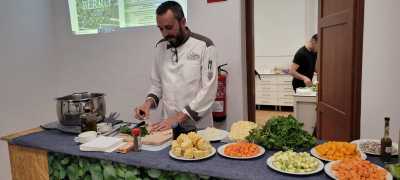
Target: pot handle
column 80, row 93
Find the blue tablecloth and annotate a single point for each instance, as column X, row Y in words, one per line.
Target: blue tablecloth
column 216, row 166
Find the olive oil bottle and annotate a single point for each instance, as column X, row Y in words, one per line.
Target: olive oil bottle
column 386, row 143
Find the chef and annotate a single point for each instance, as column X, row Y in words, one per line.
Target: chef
column 183, row 76
column 303, row 66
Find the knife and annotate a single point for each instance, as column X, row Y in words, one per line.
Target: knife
column 141, row 123
column 115, row 129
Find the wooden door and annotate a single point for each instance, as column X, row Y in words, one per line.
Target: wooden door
column 340, row 27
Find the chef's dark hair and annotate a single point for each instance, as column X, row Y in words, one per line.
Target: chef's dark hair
column 173, row 6
column 315, row 37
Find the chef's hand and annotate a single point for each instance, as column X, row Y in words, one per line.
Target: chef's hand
column 143, row 112
column 307, row 82
column 167, row 123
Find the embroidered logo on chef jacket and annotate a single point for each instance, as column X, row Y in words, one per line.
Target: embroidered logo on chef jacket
column 193, row 56
column 209, row 68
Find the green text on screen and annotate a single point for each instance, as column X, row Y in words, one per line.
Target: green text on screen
column 95, row 16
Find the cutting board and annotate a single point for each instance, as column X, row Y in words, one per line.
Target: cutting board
column 157, row 138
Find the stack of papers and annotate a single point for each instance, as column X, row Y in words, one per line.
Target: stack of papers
column 103, row 144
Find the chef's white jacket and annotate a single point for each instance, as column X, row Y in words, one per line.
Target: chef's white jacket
column 184, row 79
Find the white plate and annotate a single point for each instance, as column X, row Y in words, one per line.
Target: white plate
column 221, row 135
column 271, row 165
column 222, row 148
column 155, row 147
column 330, row 173
column 213, row 151
column 316, row 154
column 360, row 141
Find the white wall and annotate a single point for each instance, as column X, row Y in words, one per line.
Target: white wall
column 280, row 29
column 26, row 69
column 118, row 63
column 41, row 59
column 381, row 60
column 222, row 22
column 113, row 63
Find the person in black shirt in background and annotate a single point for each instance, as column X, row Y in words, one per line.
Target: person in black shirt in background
column 303, row 66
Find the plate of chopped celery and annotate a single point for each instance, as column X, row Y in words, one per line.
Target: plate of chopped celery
column 295, row 163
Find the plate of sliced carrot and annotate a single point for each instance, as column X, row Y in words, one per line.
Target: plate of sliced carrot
column 241, row 150
column 356, row 168
column 336, row 150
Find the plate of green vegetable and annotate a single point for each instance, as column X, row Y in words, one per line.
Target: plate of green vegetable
column 394, row 169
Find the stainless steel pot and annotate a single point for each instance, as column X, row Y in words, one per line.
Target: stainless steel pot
column 71, row 107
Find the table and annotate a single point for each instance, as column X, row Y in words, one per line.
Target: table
column 28, row 155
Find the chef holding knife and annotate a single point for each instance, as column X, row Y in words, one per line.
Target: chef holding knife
column 183, row 76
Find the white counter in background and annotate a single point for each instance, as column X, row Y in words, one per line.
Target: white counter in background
column 305, row 110
column 274, row 89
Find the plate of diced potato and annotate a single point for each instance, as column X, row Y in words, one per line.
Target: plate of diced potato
column 191, row 147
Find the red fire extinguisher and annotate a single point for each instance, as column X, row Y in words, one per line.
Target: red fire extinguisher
column 219, row 113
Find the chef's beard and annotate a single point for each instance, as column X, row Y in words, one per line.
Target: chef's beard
column 176, row 41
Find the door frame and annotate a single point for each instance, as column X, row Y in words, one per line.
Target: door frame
column 250, row 58
column 250, row 69
column 358, row 48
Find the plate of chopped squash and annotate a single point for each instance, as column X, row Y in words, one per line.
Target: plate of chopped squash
column 336, row 150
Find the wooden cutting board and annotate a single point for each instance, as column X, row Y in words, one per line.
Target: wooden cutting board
column 157, row 138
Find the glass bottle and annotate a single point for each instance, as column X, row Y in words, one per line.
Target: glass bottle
column 178, row 129
column 88, row 120
column 136, row 132
column 386, row 143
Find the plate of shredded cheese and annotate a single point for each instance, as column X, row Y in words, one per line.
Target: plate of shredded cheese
column 213, row 134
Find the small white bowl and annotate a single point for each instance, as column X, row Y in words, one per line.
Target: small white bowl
column 104, row 127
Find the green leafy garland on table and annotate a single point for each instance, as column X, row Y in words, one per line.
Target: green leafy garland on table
column 62, row 166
